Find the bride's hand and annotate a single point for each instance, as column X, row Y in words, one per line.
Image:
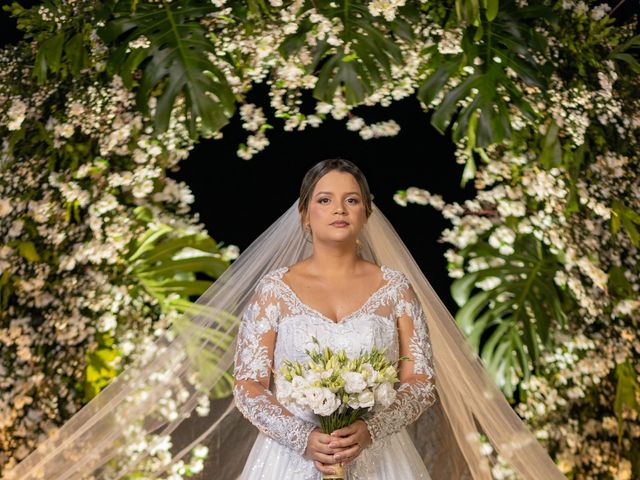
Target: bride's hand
column 319, row 451
column 354, row 439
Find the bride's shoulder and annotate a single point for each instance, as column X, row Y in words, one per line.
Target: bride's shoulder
column 393, row 273
column 397, row 279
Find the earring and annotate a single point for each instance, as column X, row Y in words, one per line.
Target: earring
column 307, row 229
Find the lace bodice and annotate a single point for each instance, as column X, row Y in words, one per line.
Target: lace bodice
column 277, row 325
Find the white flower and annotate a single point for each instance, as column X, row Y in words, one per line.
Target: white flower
column 322, row 400
column 200, row 451
column 140, row 42
column 5, row 207
column 486, row 449
column 312, row 376
column 108, row 322
column 284, row 389
column 298, row 386
column 354, row 382
column 355, row 123
column 502, row 239
column 385, row 394
column 16, row 114
column 369, row 374
column 230, row 252
column 366, row 399
column 451, row 41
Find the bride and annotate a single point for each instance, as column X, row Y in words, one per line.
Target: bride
column 343, row 300
column 351, row 286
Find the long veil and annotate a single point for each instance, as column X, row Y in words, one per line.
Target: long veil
column 178, row 389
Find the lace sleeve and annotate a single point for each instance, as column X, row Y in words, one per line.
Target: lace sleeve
column 417, row 383
column 252, row 372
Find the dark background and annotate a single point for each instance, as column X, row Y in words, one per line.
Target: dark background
column 238, row 199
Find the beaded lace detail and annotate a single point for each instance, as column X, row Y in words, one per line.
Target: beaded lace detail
column 277, row 325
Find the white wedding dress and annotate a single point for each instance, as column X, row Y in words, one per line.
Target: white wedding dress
column 277, row 325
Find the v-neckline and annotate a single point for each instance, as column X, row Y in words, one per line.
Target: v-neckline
column 384, row 270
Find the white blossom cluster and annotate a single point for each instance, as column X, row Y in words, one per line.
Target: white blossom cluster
column 289, row 78
column 65, row 235
column 515, row 197
column 387, row 8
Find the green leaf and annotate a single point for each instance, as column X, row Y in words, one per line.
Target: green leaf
column 469, row 172
column 434, row 83
column 623, row 53
column 551, row 151
column 365, row 65
column 516, row 315
column 442, row 115
column 627, row 389
column 618, row 284
column 511, row 36
column 76, row 54
column 176, row 63
column 28, row 251
column 167, row 261
column 100, row 370
column 48, row 56
column 492, row 9
column 622, row 214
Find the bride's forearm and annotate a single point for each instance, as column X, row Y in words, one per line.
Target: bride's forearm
column 412, row 398
column 260, row 406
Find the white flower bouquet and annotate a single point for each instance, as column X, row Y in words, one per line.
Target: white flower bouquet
column 337, row 388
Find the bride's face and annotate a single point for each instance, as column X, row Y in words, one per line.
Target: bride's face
column 336, row 196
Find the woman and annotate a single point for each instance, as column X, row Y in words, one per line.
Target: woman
column 335, row 296
column 320, row 279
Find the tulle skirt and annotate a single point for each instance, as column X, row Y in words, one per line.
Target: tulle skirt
column 392, row 458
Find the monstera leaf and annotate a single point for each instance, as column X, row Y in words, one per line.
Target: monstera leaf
column 509, row 40
column 509, row 325
column 366, row 63
column 176, row 60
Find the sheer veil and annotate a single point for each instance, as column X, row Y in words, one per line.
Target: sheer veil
column 179, row 389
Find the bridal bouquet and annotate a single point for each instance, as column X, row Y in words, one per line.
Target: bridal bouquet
column 337, row 388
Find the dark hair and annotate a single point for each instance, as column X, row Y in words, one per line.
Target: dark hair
column 322, row 168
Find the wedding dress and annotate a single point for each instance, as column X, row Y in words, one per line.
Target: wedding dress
column 276, row 312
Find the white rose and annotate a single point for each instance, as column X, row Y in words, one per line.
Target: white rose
column 354, row 382
column 353, row 401
column 385, row 394
column 366, row 399
column 322, row 400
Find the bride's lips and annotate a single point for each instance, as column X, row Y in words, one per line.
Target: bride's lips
column 340, row 224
